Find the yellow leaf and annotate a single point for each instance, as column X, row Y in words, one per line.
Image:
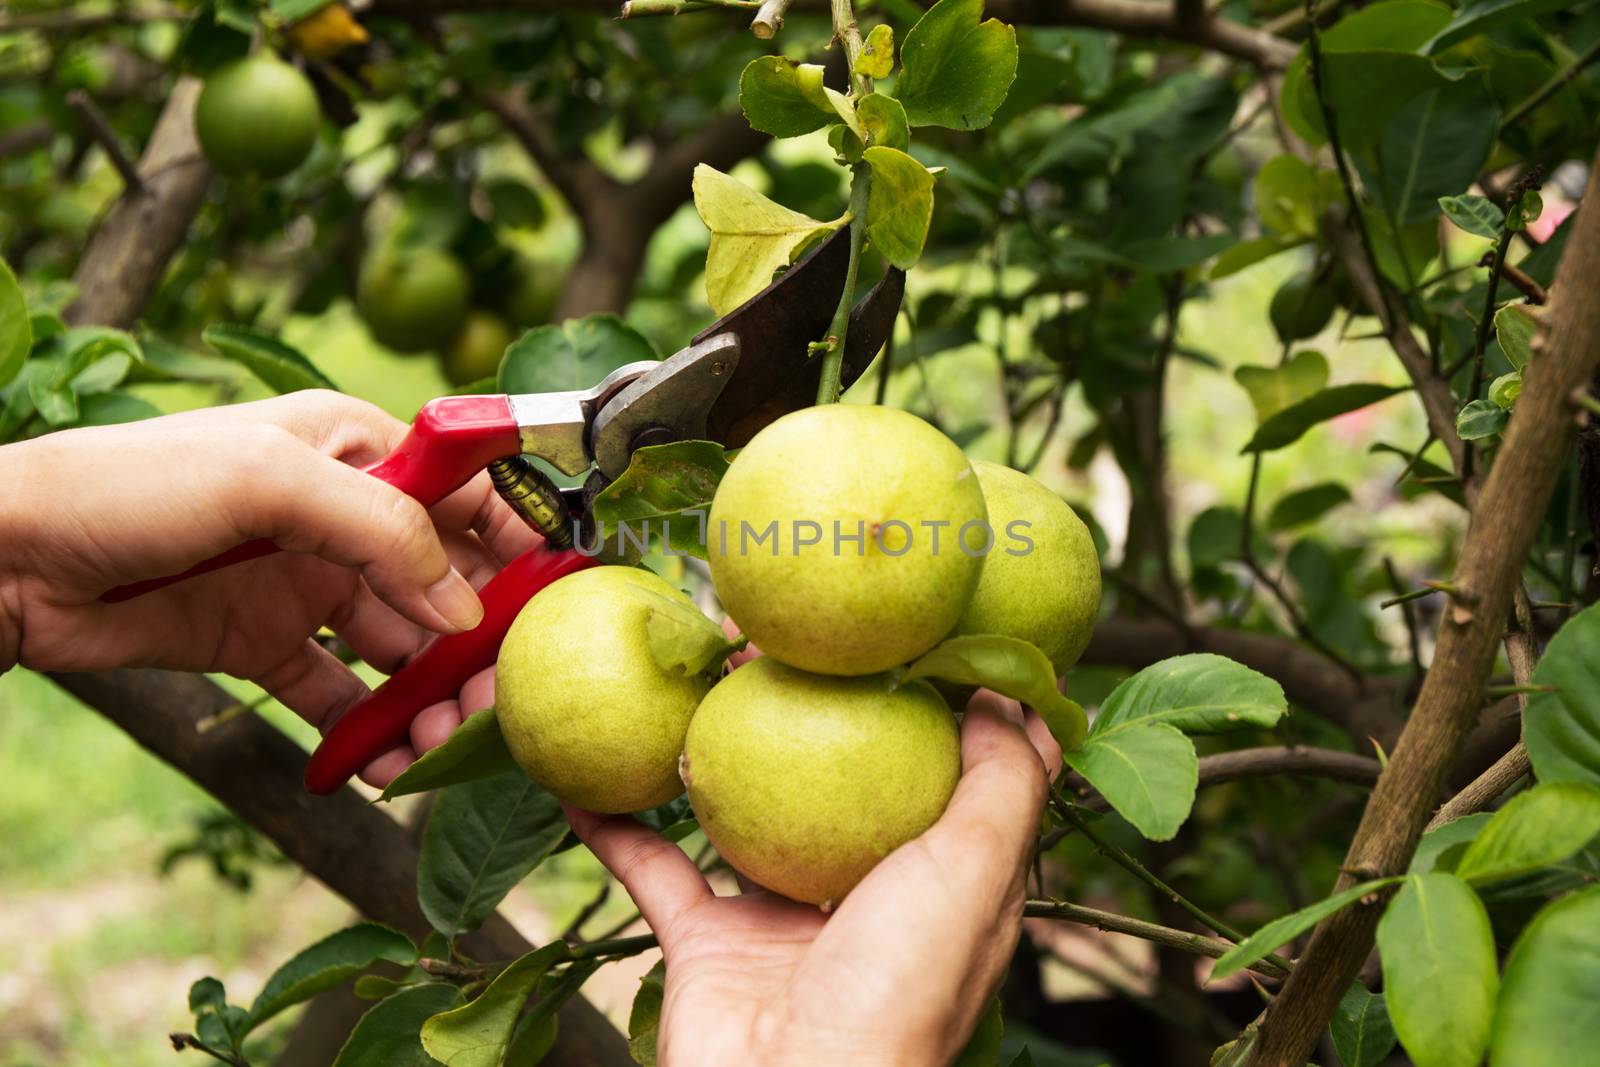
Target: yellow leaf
column 751, row 237
column 326, row 32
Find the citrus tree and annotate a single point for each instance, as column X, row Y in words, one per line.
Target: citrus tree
column 1344, row 728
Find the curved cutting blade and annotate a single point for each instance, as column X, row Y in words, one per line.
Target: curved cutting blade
column 777, row 372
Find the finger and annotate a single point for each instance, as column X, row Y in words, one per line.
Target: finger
column 478, row 692
column 308, row 502
column 476, row 507
column 387, row 767
column 379, row 635
column 313, row 684
column 662, row 881
column 433, row 725
column 996, row 804
column 1044, row 743
column 745, row 654
column 335, row 424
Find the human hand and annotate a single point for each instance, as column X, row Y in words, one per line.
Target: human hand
column 755, row 978
column 87, row 510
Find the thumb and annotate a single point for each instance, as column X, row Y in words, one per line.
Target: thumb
column 306, row 501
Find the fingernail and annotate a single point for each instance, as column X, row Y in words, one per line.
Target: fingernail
column 453, row 598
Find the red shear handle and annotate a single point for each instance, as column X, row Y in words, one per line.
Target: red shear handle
column 383, row 720
column 452, row 439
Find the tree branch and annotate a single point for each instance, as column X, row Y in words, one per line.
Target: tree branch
column 346, row 843
column 1510, row 509
column 24, row 139
column 1438, row 402
column 1166, row 936
column 1368, row 708
column 128, row 255
column 1137, row 18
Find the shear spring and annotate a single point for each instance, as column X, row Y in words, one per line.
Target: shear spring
column 534, row 497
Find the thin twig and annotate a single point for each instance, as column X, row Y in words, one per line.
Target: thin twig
column 84, row 107
column 769, row 19
column 833, row 344
column 1111, row 922
column 1525, row 284
column 1298, row 621
column 1122, row 858
column 574, row 929
column 1551, row 87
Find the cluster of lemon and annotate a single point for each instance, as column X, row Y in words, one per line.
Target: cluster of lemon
column 844, row 541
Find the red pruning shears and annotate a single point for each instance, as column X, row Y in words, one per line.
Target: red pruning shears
column 739, row 374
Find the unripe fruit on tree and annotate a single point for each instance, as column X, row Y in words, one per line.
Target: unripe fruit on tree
column 475, row 353
column 584, row 707
column 1301, row 308
column 803, row 782
column 883, row 498
column 413, row 299
column 535, row 288
column 257, row 115
column 1041, row 582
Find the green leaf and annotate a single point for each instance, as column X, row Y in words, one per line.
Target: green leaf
column 390, row 1033
column 1361, row 1031
column 16, row 329
column 577, row 354
column 1534, row 829
column 1547, row 1012
column 295, row 10
column 956, row 70
column 782, row 97
column 1527, row 209
column 666, row 487
column 1514, row 327
column 751, row 237
column 1475, row 214
column 1439, row 970
column 1440, row 849
column 1249, row 253
column 1288, row 425
column 207, row 993
column 1307, row 505
column 1011, row 668
column 1504, row 390
column 474, row 750
column 1199, row 693
column 1370, row 69
column 376, row 987
column 1480, row 16
column 1281, row 931
column 884, row 121
column 329, row 963
column 1562, row 729
column 681, row 638
column 109, row 409
column 983, row 1047
column 482, row 838
column 533, row 1039
column 1147, row 772
column 279, row 366
column 1479, row 419
column 167, row 362
column 477, row 1034
column 1272, row 389
column 644, row 1018
column 1166, row 254
column 899, row 204
column 1433, row 146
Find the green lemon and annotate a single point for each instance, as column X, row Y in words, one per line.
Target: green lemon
column 257, row 115
column 475, row 353
column 413, row 299
column 585, row 709
column 1041, row 581
column 803, row 782
column 847, row 539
